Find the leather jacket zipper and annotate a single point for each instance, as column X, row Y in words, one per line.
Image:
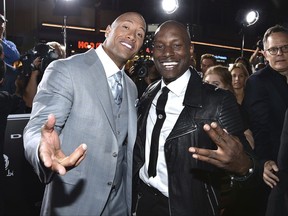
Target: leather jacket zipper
column 209, row 198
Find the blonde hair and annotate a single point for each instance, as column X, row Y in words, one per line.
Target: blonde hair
column 240, row 66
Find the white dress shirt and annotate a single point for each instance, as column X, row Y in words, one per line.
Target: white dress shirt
column 173, row 108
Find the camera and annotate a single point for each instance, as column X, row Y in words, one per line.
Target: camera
column 46, row 53
column 141, row 67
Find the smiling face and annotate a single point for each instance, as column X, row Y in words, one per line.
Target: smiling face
column 124, row 37
column 172, row 50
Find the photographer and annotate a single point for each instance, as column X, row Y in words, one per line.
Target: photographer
column 7, row 82
column 46, row 53
column 10, row 50
column 33, row 82
column 145, row 73
column 257, row 59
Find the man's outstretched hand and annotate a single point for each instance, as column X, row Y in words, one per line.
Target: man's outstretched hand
column 50, row 152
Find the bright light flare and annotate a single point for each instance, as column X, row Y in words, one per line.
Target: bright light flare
column 252, row 17
column 170, row 6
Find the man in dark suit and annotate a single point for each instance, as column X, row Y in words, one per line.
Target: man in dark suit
column 278, row 179
column 266, row 100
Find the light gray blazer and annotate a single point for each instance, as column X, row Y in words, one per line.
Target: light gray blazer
column 76, row 91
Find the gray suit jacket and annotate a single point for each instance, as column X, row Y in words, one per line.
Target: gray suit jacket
column 76, row 91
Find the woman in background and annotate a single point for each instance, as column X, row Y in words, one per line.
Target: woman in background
column 219, row 76
column 234, row 81
column 240, row 75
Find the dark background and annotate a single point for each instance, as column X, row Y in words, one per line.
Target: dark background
column 213, row 20
column 209, row 21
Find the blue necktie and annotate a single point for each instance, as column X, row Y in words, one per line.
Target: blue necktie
column 117, row 88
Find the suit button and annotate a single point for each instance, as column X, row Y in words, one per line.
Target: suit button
column 114, row 154
column 118, row 132
column 160, row 116
column 109, row 183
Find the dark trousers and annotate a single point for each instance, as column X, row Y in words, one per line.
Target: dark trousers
column 151, row 202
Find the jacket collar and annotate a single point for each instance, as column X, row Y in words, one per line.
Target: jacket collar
column 193, row 95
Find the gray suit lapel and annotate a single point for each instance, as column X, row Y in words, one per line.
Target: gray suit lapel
column 102, row 90
column 132, row 114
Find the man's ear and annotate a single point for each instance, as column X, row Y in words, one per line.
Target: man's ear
column 264, row 53
column 107, row 31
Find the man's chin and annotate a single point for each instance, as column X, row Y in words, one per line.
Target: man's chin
column 169, row 79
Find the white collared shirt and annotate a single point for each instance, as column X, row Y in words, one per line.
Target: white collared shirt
column 109, row 65
column 173, row 108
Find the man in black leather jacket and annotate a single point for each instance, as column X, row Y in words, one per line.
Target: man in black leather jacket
column 196, row 112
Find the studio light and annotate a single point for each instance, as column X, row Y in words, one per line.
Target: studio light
column 252, row 17
column 170, row 6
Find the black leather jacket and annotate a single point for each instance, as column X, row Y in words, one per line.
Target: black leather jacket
column 193, row 185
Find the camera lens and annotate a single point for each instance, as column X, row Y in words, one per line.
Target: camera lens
column 142, row 71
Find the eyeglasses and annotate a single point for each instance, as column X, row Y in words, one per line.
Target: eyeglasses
column 275, row 50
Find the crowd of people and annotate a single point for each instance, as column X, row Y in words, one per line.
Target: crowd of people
column 192, row 142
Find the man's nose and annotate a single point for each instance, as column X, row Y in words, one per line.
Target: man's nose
column 168, row 51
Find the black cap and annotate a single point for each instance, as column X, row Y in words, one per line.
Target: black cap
column 2, row 18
